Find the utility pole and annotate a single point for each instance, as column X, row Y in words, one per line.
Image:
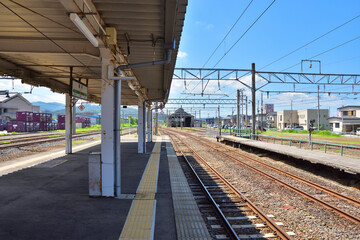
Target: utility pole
column 258, row 114
column 291, row 123
column 200, row 118
column 246, row 112
column 219, row 121
column 253, row 91
column 318, row 113
column 181, row 118
column 261, row 114
column 238, row 110
column 242, row 108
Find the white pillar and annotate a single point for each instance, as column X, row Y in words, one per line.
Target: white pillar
column 149, row 125
column 141, row 126
column 68, row 125
column 117, row 130
column 107, row 132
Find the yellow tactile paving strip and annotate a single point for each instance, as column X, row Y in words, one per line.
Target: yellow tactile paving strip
column 141, row 218
column 188, row 219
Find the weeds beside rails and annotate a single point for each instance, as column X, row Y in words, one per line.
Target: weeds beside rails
column 317, row 132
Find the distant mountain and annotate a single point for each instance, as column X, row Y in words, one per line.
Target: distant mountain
column 59, row 108
column 49, row 107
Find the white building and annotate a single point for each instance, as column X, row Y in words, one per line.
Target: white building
column 288, row 118
column 347, row 121
column 10, row 103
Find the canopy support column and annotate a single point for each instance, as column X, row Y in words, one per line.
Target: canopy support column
column 68, row 124
column 141, row 126
column 149, row 124
column 107, row 132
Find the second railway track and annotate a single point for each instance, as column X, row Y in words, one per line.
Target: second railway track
column 236, row 213
column 342, row 204
column 43, row 138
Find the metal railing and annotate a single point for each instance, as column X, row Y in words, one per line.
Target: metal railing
column 305, row 144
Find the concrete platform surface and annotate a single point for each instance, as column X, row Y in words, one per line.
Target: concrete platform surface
column 347, row 164
column 50, row 200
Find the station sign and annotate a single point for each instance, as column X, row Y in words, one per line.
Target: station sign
column 79, row 90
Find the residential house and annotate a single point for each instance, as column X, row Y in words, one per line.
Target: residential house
column 286, row 118
column 271, row 120
column 347, row 121
column 292, row 118
column 10, row 103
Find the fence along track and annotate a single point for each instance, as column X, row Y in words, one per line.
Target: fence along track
column 271, row 224
column 339, row 211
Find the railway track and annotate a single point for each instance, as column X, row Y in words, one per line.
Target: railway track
column 239, row 158
column 43, row 138
column 236, row 213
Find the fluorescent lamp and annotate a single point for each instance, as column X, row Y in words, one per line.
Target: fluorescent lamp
column 83, row 28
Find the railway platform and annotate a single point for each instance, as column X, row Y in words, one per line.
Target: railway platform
column 342, row 163
column 51, row 201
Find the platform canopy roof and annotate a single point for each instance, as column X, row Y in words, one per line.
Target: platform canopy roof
column 39, row 43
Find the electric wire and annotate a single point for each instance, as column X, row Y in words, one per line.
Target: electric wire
column 326, row 51
column 243, row 34
column 312, row 41
column 237, row 40
column 237, row 20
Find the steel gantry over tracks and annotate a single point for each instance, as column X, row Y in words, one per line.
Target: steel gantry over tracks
column 256, row 80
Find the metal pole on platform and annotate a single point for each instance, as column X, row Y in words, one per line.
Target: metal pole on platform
column 74, row 115
column 157, row 118
column 68, row 117
column 253, row 92
column 144, row 126
column 129, row 119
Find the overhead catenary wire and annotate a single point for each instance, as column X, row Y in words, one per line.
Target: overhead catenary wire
column 312, row 41
column 326, row 51
column 236, row 40
column 232, row 27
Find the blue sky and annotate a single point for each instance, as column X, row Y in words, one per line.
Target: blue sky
column 287, row 25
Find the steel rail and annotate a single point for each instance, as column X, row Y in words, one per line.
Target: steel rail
column 317, row 186
column 27, row 143
column 347, row 215
column 227, row 224
column 280, row 232
column 39, row 136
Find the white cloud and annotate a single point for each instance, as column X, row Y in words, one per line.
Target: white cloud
column 38, row 93
column 182, row 54
column 205, row 25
